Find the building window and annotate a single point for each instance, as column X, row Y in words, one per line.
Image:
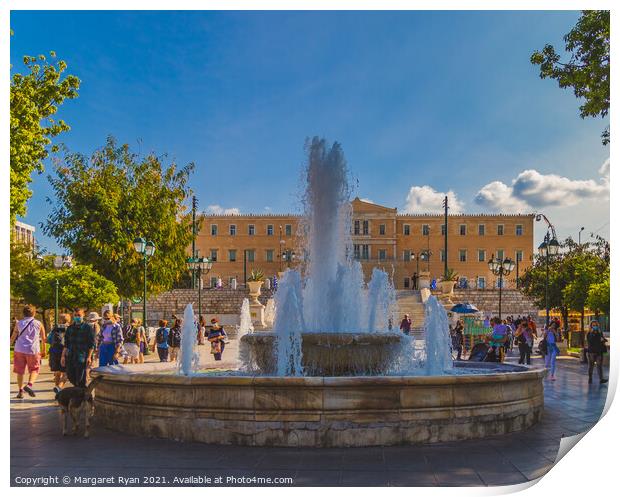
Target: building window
column 356, row 227
column 250, row 255
column 382, row 229
column 406, row 255
column 270, row 230
column 232, row 255
column 269, row 255
column 214, row 230
column 481, row 229
column 442, row 255
column 482, row 256
column 406, row 229
column 288, row 230
column 365, row 252
column 251, row 229
column 356, row 251
column 213, row 255
column 213, row 281
column 519, row 230
column 462, row 229
column 365, row 228
column 519, row 255
column 406, row 283
column 232, row 229
column 481, row 283
column 462, row 255
column 443, row 230
column 426, row 230
column 500, row 254
column 382, row 254
column 500, row 229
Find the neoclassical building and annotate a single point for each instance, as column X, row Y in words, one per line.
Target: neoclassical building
column 382, row 237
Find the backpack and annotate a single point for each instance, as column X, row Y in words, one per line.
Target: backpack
column 159, row 335
column 130, row 334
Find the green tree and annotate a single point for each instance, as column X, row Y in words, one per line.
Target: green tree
column 598, row 296
column 79, row 286
column 104, row 202
column 570, row 274
column 35, row 98
column 587, row 71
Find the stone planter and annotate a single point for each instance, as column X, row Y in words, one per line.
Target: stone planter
column 447, row 287
column 255, row 287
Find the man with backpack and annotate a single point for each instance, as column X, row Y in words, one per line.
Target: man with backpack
column 174, row 338
column 161, row 340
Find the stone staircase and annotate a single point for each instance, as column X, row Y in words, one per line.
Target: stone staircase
column 513, row 302
column 410, row 302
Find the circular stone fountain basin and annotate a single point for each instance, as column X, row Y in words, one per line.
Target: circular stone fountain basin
column 318, row 411
column 329, row 353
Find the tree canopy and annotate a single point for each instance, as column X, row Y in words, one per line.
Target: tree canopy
column 103, row 202
column 587, row 70
column 35, row 98
column 572, row 275
column 79, row 286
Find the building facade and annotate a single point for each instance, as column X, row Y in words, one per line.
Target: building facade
column 397, row 243
column 24, row 233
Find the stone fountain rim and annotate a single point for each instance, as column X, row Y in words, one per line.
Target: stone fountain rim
column 154, row 375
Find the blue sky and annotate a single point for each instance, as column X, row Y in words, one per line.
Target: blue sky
column 422, row 102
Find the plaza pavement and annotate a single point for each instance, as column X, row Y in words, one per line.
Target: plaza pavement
column 39, row 450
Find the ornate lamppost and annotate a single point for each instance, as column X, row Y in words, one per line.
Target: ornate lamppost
column 60, row 261
column 146, row 249
column 197, row 265
column 550, row 246
column 501, row 268
column 288, row 256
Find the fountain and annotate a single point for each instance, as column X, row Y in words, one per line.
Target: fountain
column 331, row 372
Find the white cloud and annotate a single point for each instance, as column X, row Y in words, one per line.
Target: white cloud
column 531, row 190
column 367, row 200
column 427, row 200
column 499, row 197
column 218, row 209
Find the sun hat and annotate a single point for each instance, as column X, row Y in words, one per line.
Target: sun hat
column 93, row 316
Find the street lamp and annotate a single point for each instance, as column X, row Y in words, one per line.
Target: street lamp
column 501, row 268
column 146, row 249
column 582, row 228
column 60, row 261
column 197, row 265
column 548, row 247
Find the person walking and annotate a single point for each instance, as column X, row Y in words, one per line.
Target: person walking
column 524, row 341
column 109, row 340
column 26, row 340
column 414, row 281
column 161, row 340
column 142, row 341
column 174, row 339
column 202, row 330
column 131, row 342
column 56, row 341
column 458, row 339
column 405, row 325
column 552, row 350
column 597, row 346
column 80, row 344
column 217, row 338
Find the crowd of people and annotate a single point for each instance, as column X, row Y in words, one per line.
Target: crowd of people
column 78, row 340
column 504, row 334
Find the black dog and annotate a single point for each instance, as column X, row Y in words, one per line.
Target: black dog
column 77, row 401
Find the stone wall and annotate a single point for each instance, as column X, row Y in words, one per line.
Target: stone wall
column 513, row 301
column 224, row 303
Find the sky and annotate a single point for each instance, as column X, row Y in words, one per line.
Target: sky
column 424, row 104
